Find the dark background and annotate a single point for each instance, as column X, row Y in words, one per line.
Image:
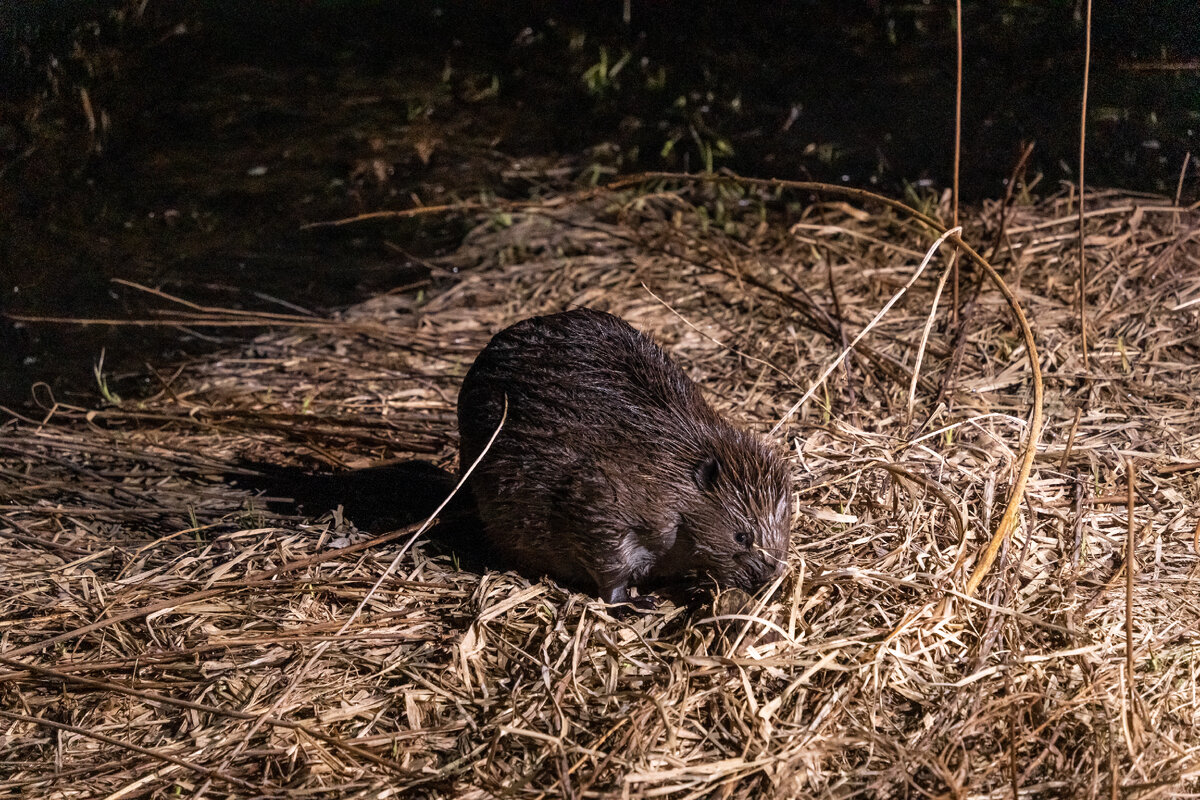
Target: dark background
column 185, row 148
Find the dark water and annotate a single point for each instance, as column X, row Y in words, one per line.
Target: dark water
column 223, row 128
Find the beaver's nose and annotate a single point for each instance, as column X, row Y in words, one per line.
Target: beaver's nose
column 766, row 570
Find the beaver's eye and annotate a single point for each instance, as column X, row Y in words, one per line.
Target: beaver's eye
column 741, row 537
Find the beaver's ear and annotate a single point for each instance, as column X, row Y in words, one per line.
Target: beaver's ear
column 706, row 473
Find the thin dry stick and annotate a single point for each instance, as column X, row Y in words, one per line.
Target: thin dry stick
column 958, row 87
column 399, row 214
column 937, row 296
column 1130, row 566
column 1187, row 157
column 837, row 312
column 1087, row 61
column 233, row 312
column 1009, row 190
column 1013, row 779
column 845, row 352
column 1062, row 464
column 459, row 207
column 202, row 320
column 1114, row 784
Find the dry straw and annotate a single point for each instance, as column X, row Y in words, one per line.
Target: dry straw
column 163, row 634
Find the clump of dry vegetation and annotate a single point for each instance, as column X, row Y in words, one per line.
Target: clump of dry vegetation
column 163, row 633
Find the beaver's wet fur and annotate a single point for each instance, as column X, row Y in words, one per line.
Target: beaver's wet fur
column 611, row 470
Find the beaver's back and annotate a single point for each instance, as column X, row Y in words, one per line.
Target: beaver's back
column 581, row 374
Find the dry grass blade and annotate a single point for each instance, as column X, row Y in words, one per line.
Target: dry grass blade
column 1083, row 105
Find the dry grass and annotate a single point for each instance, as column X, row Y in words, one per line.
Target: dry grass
column 162, row 634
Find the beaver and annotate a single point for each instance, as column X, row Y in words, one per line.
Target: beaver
column 611, row 470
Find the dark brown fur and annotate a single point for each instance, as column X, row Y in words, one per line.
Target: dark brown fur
column 611, row 469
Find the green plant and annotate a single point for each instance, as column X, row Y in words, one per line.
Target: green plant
column 110, row 397
column 600, row 78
